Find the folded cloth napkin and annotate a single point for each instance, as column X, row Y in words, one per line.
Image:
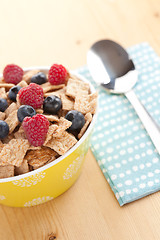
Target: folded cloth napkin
column 120, row 144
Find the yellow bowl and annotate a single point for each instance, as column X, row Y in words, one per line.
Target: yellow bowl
column 51, row 180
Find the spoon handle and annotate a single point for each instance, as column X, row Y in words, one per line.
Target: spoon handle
column 149, row 123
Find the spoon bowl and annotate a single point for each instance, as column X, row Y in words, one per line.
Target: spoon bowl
column 110, row 66
column 113, row 69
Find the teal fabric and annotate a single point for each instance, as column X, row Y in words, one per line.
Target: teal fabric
column 120, row 144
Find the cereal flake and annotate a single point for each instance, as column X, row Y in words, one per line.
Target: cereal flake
column 51, row 118
column 14, row 152
column 67, row 102
column 6, row 171
column 51, row 130
column 18, row 101
column 22, row 84
column 86, row 103
column 6, row 85
column 12, row 121
column 2, row 115
column 88, row 119
column 20, row 134
column 10, row 109
column 55, row 93
column 63, row 124
column 3, row 93
column 47, row 87
column 63, row 143
column 75, row 86
column 40, row 111
column 23, row 168
column 37, row 158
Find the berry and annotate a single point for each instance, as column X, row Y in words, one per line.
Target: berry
column 25, row 111
column 77, row 120
column 31, row 95
column 52, row 104
column 39, row 78
column 3, row 104
column 13, row 93
column 36, row 129
column 57, row 74
column 4, row 129
column 12, row 74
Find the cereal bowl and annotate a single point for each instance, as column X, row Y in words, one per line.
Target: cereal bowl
column 52, row 179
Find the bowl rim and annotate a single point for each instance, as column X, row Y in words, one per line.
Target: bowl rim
column 61, row 158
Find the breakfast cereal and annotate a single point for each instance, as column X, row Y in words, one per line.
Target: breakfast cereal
column 36, row 137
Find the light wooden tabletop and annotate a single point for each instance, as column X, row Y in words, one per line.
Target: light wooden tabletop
column 37, row 32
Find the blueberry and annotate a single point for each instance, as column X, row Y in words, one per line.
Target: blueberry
column 25, row 111
column 13, row 93
column 39, row 78
column 3, row 104
column 77, row 120
column 4, row 129
column 52, row 104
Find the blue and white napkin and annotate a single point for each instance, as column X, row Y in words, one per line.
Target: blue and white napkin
column 120, row 144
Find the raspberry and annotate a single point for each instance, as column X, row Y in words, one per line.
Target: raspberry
column 12, row 74
column 57, row 74
column 31, row 95
column 36, row 129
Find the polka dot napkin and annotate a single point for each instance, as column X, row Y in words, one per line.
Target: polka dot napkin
column 120, row 144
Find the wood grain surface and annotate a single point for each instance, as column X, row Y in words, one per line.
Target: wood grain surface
column 42, row 32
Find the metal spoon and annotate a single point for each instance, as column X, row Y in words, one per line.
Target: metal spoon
column 111, row 67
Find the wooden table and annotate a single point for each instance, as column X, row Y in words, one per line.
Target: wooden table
column 37, row 32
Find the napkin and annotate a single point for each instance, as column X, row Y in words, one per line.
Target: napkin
column 120, row 144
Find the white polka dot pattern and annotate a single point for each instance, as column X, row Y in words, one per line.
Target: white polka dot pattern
column 120, row 143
